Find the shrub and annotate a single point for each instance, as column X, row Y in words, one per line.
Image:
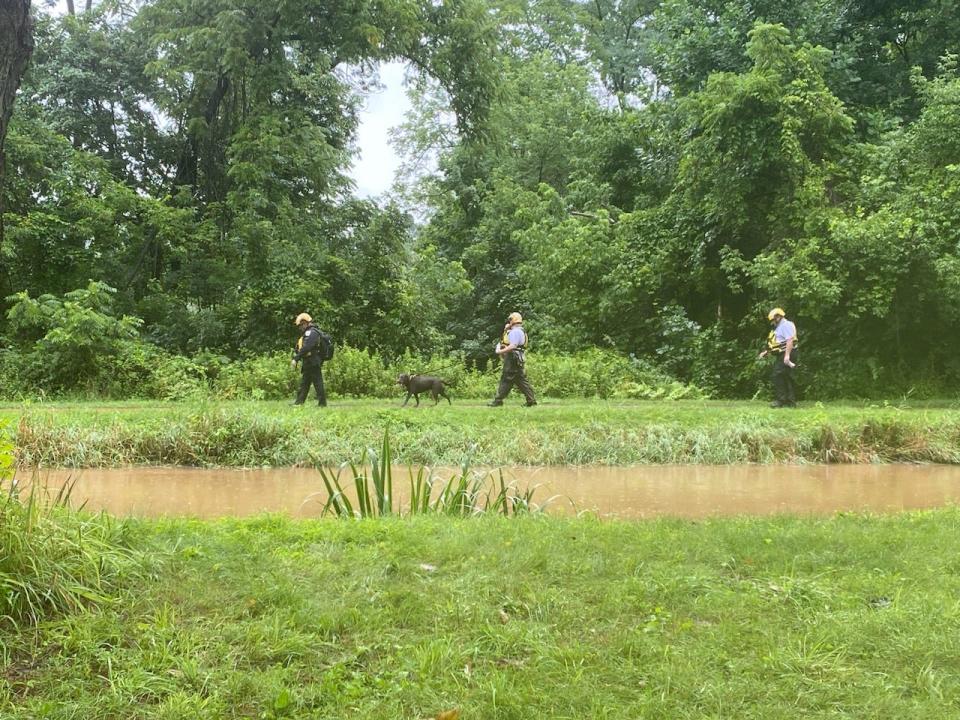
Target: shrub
column 14, row 383
column 264, row 377
column 72, row 339
column 604, row 374
column 359, row 373
column 175, row 377
column 140, row 370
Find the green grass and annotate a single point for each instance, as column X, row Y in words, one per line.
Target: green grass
column 566, row 432
column 53, row 560
column 850, row 616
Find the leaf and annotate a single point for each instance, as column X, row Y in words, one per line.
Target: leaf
column 282, row 700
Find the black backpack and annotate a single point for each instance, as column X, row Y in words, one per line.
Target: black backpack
column 326, row 350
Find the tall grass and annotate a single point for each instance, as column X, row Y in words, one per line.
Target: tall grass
column 554, row 433
column 466, row 493
column 55, row 560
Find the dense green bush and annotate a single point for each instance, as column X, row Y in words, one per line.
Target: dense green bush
column 13, row 385
column 359, row 373
column 266, row 377
column 74, row 346
column 74, row 341
column 175, row 377
column 604, row 374
column 142, row 371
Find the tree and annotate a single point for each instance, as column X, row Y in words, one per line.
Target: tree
column 754, row 170
column 16, row 44
column 534, row 136
column 195, row 157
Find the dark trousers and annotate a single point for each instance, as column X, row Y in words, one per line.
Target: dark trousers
column 311, row 374
column 784, row 385
column 514, row 375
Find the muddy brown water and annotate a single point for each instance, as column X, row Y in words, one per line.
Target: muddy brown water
column 626, row 492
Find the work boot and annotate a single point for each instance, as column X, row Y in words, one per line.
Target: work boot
column 296, row 402
column 495, row 403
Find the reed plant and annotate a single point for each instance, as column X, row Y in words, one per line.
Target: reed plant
column 464, row 494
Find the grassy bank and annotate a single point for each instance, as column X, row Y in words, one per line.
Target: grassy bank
column 553, row 433
column 851, row 616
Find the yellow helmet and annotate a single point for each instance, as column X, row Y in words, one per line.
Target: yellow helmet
column 776, row 311
column 514, row 318
column 302, row 317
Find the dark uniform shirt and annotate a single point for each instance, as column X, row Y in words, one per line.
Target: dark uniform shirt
column 308, row 348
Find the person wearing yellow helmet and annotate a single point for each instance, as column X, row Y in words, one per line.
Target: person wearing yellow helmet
column 312, row 348
column 511, row 349
column 782, row 346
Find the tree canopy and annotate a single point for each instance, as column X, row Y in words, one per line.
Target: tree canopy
column 648, row 177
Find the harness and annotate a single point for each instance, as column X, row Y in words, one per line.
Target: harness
column 518, row 351
column 778, row 348
column 505, row 338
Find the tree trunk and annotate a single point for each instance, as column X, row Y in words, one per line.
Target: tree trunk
column 16, row 44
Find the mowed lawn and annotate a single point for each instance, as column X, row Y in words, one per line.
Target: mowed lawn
column 556, row 432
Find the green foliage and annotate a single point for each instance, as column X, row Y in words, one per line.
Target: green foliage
column 174, row 377
column 76, row 339
column 369, row 490
column 642, row 177
column 360, row 373
column 224, row 209
column 604, row 374
column 755, row 168
column 258, row 378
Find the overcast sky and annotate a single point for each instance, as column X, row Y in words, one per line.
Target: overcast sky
column 373, row 170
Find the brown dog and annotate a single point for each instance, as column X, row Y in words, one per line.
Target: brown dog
column 416, row 384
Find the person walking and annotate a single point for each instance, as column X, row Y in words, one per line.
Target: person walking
column 310, row 351
column 782, row 346
column 511, row 349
